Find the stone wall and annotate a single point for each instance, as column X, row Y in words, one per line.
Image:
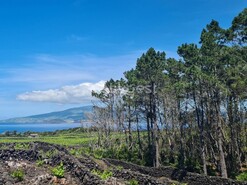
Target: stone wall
column 175, row 174
column 78, row 167
column 81, row 167
column 71, row 164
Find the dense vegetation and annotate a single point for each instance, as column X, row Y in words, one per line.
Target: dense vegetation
column 194, row 108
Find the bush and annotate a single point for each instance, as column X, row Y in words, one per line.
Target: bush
column 242, row 176
column 58, row 171
column 192, row 165
column 75, row 152
column 18, row 174
column 40, row 162
column 98, row 153
column 120, row 168
column 21, row 146
column 133, row 182
column 106, row 174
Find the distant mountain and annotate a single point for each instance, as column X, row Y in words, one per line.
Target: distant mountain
column 73, row 115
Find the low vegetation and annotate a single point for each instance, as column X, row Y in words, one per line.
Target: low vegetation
column 18, row 174
column 58, row 171
column 106, row 174
column 132, row 182
column 242, row 176
column 71, row 137
column 40, row 162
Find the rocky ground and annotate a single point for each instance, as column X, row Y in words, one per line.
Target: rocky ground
column 37, row 160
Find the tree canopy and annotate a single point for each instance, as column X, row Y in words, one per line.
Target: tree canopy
column 193, row 110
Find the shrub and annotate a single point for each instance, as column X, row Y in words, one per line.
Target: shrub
column 74, row 152
column 120, row 168
column 106, row 174
column 98, row 153
column 58, row 171
column 48, row 154
column 40, row 162
column 242, row 176
column 192, row 165
column 18, row 174
column 21, row 146
column 133, row 182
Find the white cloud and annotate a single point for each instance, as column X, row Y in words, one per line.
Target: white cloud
column 65, row 95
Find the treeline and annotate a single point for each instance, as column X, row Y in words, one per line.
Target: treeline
column 194, row 108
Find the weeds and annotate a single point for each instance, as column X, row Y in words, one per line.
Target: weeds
column 58, row 171
column 18, row 174
column 106, row 174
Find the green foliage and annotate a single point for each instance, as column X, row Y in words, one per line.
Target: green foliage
column 86, row 150
column 242, row 176
column 66, row 138
column 58, row 171
column 21, row 146
column 4, row 147
column 49, row 154
column 40, row 162
column 193, row 165
column 98, row 153
column 120, row 168
column 18, row 174
column 75, row 152
column 119, row 152
column 106, row 174
column 132, row 182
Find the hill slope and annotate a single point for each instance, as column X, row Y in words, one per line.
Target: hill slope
column 73, row 115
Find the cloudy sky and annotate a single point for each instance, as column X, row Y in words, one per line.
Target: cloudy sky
column 54, row 52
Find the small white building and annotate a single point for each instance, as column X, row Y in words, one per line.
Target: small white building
column 33, row 136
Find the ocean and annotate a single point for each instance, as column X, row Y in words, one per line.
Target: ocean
column 36, row 127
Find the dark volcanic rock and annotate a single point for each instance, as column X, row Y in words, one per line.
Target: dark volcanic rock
column 175, row 174
column 57, row 154
column 78, row 169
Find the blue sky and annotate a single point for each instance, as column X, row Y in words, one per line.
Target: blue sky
column 53, row 52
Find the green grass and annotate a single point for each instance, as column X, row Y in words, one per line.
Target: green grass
column 69, row 139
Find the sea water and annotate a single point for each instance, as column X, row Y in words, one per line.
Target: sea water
column 36, row 127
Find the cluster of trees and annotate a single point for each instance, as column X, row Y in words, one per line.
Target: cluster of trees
column 193, row 109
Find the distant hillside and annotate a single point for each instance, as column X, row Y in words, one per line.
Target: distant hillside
column 73, row 115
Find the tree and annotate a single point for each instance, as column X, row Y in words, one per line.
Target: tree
column 194, row 108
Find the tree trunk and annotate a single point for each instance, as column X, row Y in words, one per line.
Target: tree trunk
column 139, row 138
column 200, row 123
column 220, row 137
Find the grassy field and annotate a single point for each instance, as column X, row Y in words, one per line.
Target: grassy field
column 75, row 140
column 69, row 137
column 66, row 137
